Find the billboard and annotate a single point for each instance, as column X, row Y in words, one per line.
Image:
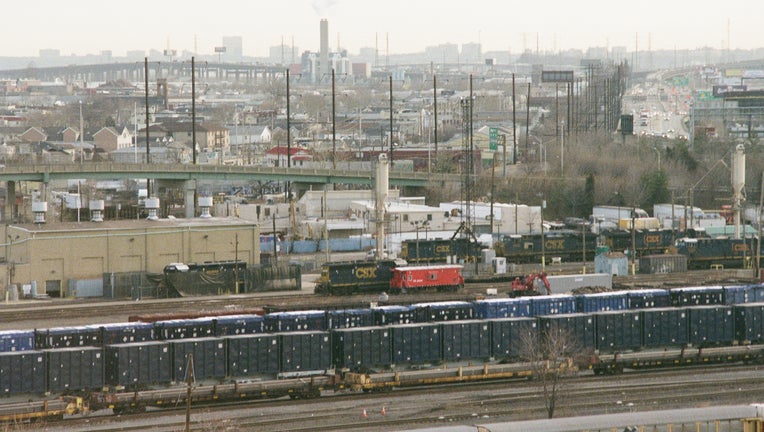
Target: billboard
column 720, row 90
column 557, row 76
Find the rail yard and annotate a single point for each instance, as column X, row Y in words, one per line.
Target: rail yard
column 475, row 370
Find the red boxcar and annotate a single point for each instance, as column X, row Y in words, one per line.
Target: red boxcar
column 440, row 277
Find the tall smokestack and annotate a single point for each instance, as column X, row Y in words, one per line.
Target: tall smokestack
column 324, row 53
column 380, row 194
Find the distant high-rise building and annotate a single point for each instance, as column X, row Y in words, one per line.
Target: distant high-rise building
column 600, row 53
column 49, row 53
column 472, row 53
column 443, row 53
column 368, row 54
column 618, row 53
column 135, row 55
column 309, row 65
column 283, row 54
column 233, row 48
column 323, row 58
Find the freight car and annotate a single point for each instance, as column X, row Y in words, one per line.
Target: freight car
column 227, row 277
column 569, row 245
column 438, row 250
column 705, row 253
column 441, row 278
column 634, row 338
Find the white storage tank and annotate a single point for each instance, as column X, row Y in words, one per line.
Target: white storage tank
column 152, row 206
column 204, row 204
column 96, row 210
column 39, row 208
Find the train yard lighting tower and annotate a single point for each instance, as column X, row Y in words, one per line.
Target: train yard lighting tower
column 383, row 179
column 738, row 185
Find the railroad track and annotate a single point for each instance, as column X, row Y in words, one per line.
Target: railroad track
column 499, row 401
column 62, row 311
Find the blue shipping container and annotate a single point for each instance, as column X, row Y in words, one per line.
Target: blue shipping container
column 736, row 294
column 648, row 298
column 605, row 301
column 552, row 305
column 349, row 318
column 231, row 325
column 310, row 320
column 16, row 340
column 502, row 308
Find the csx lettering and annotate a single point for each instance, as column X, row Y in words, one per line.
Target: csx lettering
column 554, row 244
column 740, row 248
column 366, row 272
column 443, row 248
column 652, row 239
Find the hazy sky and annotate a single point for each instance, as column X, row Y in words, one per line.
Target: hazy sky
column 90, row 26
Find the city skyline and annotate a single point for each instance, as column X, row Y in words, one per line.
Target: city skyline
column 80, row 27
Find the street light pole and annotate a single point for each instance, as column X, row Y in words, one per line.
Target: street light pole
column 148, row 156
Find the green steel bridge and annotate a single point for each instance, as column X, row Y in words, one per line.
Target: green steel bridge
column 181, row 172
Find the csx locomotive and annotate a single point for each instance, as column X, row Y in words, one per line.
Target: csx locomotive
column 704, row 253
column 350, row 277
column 439, row 250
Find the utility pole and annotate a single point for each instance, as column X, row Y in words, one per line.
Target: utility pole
column 583, row 243
column 543, row 240
column 189, row 380
column 757, row 263
column 275, row 249
column 633, row 241
column 514, row 132
column 289, row 138
column 236, row 262
column 334, row 131
column 391, row 122
column 527, row 119
column 193, row 110
column 435, row 111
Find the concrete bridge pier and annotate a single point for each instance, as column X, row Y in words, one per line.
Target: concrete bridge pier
column 299, row 188
column 10, row 202
column 189, row 189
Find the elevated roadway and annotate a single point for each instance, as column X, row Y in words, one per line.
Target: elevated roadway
column 181, row 172
column 185, row 177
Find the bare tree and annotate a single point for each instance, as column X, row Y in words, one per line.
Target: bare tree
column 550, row 354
